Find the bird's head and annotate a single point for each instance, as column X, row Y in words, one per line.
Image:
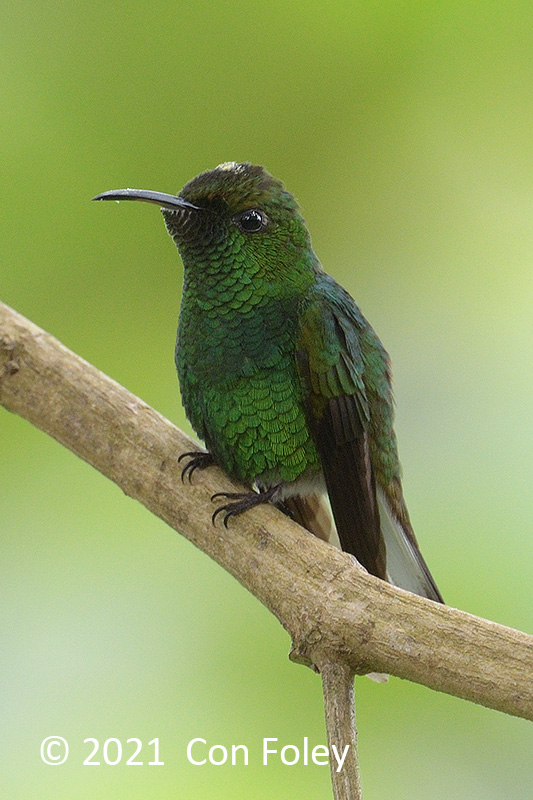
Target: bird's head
column 235, row 211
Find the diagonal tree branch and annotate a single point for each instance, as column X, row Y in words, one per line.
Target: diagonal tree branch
column 333, row 610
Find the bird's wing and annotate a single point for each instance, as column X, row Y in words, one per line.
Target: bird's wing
column 331, row 367
column 346, row 379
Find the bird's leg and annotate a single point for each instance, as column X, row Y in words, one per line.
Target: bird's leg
column 199, row 459
column 243, row 501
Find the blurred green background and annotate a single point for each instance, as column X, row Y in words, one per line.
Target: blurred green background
column 404, row 129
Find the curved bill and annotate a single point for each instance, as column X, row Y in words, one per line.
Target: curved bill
column 158, row 198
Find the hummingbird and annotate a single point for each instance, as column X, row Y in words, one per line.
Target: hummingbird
column 281, row 375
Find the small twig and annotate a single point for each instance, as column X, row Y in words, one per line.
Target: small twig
column 339, row 709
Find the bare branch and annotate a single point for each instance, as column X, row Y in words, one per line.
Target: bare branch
column 339, row 708
column 333, row 610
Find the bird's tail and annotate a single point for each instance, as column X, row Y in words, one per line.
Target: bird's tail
column 313, row 512
column 406, row 567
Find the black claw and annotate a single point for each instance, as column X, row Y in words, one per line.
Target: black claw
column 228, row 510
column 233, row 495
column 242, row 502
column 199, row 460
column 215, row 513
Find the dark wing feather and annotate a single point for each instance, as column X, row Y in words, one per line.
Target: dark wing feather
column 331, row 367
column 343, row 446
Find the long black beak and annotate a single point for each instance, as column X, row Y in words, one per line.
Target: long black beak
column 158, row 198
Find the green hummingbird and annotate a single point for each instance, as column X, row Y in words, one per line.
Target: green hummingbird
column 281, row 375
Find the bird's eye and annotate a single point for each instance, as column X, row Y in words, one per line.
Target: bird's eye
column 252, row 221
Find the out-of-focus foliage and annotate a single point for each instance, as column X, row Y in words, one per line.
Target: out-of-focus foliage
column 405, row 131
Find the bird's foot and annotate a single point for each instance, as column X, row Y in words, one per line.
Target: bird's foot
column 242, row 501
column 199, row 459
